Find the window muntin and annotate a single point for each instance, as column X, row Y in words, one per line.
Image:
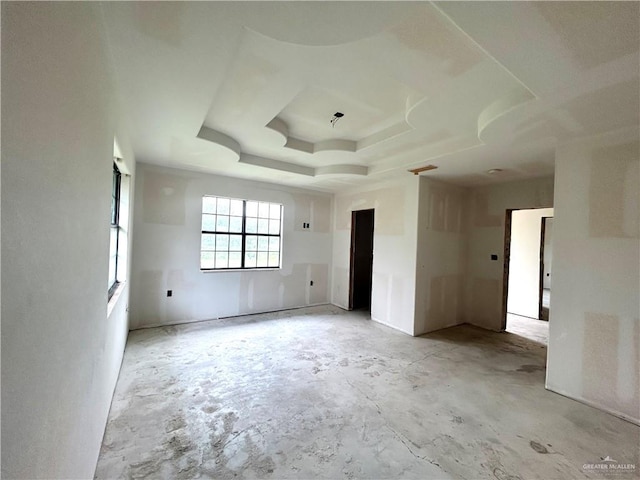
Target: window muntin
column 240, row 234
column 115, row 230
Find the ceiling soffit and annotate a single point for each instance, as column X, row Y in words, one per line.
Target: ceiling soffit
column 413, row 91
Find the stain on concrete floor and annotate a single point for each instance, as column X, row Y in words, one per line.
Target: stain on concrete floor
column 323, row 393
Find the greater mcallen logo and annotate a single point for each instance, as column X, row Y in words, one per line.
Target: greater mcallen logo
column 608, row 464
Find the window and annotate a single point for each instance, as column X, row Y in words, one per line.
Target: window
column 115, row 230
column 240, row 234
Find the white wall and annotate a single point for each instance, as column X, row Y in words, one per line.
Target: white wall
column 441, row 256
column 394, row 249
column 166, row 250
column 524, row 263
column 594, row 339
column 487, row 209
column 61, row 353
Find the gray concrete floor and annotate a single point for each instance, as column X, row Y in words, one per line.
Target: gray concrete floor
column 531, row 328
column 322, row 393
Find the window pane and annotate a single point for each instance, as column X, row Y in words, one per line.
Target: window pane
column 235, row 243
column 235, row 224
column 263, row 210
column 235, row 259
column 252, row 209
column 263, row 225
column 262, row 259
column 274, row 244
column 208, row 204
column 274, row 211
column 252, row 225
column 209, row 222
column 208, row 242
column 222, row 224
column 263, row 243
column 252, row 243
column 222, row 259
column 207, row 260
column 236, row 208
column 112, row 270
column 274, row 259
column 222, row 242
column 113, row 210
column 274, row 227
column 250, row 260
column 223, row 206
column 113, row 242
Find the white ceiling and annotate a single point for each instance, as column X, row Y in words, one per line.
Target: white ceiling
column 248, row 89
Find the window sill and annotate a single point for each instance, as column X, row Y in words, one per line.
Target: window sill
column 114, row 298
column 242, row 270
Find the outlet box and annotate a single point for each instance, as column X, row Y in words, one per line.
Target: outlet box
column 169, row 293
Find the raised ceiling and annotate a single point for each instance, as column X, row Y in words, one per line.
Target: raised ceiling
column 249, row 89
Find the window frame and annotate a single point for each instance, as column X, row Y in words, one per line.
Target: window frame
column 243, row 234
column 115, row 224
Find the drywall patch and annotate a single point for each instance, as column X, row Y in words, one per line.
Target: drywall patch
column 162, row 21
column 613, row 192
column 319, row 274
column 445, row 212
column 295, row 286
column 314, row 210
column 482, row 217
column 163, row 198
column 341, row 286
column 486, row 301
column 430, row 35
column 151, row 287
column 389, row 210
column 380, row 296
column 578, row 23
column 600, row 358
column 445, row 301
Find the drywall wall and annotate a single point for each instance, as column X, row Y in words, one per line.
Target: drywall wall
column 523, row 297
column 166, row 250
column 487, row 209
column 441, row 256
column 394, row 249
column 61, row 353
column 547, row 254
column 594, row 327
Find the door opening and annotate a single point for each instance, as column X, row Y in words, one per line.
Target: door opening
column 524, row 273
column 361, row 273
column 546, row 259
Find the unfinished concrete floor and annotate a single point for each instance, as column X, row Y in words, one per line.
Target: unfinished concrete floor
column 322, row 393
column 531, row 328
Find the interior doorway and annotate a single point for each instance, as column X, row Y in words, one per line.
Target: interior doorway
column 546, row 264
column 361, row 267
column 527, row 266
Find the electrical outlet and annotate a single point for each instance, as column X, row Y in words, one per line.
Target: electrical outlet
column 169, row 293
column 311, row 283
column 494, row 256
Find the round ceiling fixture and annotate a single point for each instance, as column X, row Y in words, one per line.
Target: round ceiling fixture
column 494, row 171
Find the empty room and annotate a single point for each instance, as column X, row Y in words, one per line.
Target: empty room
column 300, row 240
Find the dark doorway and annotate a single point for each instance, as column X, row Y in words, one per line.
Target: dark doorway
column 361, row 260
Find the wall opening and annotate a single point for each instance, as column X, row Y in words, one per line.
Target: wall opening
column 361, row 262
column 525, row 299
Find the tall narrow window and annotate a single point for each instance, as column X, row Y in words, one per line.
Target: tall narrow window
column 115, row 230
column 240, row 234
